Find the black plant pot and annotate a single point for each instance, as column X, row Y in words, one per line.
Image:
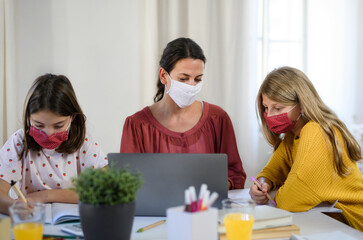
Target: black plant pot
column 107, row 222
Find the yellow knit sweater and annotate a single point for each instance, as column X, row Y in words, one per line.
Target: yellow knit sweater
column 303, row 169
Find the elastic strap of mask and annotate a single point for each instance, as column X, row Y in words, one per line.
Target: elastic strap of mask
column 69, row 126
column 167, row 90
column 292, row 107
column 299, row 115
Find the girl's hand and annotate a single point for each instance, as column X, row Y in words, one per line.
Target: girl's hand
column 53, row 195
column 39, row 196
column 259, row 196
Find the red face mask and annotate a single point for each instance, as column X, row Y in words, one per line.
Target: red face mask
column 280, row 123
column 48, row 142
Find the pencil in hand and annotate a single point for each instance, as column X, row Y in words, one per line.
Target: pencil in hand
column 18, row 192
column 259, row 185
column 151, row 226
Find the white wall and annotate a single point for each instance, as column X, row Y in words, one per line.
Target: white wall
column 97, row 45
column 359, row 89
column 332, row 46
column 93, row 43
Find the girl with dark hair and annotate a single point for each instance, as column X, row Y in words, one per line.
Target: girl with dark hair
column 51, row 149
column 176, row 122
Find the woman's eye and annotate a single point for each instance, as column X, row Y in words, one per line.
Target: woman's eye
column 198, row 80
column 58, row 127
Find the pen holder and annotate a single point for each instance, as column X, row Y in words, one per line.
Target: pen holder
column 192, row 226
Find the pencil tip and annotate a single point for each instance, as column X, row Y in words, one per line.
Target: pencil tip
column 12, row 183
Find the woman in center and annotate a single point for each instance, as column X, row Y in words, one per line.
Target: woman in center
column 177, row 122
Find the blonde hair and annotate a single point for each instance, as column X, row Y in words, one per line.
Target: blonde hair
column 287, row 85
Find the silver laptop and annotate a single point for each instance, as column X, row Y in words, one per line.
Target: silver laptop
column 167, row 175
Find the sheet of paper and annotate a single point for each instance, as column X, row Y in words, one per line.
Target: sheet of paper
column 48, row 213
column 335, row 235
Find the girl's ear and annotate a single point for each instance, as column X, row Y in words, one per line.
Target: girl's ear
column 163, row 75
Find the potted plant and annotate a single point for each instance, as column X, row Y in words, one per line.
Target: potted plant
column 107, row 202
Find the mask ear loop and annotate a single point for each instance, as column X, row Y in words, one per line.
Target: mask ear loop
column 69, row 126
column 301, row 114
column 292, row 108
column 171, row 83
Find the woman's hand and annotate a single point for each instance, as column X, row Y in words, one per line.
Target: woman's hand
column 259, row 196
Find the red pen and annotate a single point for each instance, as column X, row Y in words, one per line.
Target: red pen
column 187, row 200
column 193, row 201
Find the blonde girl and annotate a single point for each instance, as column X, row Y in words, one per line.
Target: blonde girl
column 315, row 155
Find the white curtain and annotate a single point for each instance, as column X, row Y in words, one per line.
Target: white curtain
column 7, row 69
column 3, row 134
column 227, row 32
column 95, row 43
column 333, row 52
column 110, row 51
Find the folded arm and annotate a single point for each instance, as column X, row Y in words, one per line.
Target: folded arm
column 5, row 200
column 53, row 195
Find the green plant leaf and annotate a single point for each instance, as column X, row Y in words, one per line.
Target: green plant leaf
column 108, row 186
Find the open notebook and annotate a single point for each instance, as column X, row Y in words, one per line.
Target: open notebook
column 56, row 213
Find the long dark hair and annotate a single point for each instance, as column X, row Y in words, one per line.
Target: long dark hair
column 54, row 93
column 176, row 50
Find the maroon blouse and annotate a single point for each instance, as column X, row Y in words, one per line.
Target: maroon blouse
column 212, row 134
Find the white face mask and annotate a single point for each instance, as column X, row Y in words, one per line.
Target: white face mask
column 183, row 94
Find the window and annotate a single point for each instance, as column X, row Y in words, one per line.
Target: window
column 281, row 35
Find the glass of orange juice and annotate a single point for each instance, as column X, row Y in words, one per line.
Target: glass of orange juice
column 27, row 220
column 238, row 218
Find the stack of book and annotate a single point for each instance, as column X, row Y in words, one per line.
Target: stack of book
column 270, row 222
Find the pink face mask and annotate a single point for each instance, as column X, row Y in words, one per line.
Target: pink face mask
column 48, row 142
column 280, row 123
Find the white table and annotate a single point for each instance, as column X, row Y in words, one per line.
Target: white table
column 309, row 223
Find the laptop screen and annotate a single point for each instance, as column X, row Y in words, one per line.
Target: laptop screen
column 166, row 176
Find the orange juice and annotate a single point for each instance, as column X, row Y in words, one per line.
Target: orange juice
column 238, row 226
column 28, row 231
